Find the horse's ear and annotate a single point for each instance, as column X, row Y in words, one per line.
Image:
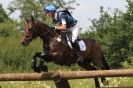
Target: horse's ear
column 32, row 18
column 26, row 20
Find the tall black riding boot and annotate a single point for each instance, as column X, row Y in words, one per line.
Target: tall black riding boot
column 76, row 46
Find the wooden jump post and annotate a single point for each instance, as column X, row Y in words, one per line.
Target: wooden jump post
column 61, row 78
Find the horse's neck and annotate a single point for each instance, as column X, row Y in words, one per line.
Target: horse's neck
column 47, row 34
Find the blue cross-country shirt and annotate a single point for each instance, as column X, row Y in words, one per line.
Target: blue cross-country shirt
column 64, row 18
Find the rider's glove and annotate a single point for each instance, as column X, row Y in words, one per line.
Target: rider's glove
column 55, row 27
column 52, row 27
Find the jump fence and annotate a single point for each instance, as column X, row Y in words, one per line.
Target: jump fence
column 64, row 76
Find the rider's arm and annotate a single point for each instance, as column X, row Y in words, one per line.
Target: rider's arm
column 62, row 27
column 63, row 23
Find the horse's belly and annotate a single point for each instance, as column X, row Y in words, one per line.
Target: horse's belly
column 64, row 61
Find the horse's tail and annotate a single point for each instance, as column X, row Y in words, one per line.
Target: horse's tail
column 104, row 62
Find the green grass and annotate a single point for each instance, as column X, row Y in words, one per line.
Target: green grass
column 79, row 83
column 120, row 82
column 46, row 84
column 27, row 84
column 16, row 58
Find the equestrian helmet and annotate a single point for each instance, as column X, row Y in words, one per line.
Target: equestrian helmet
column 50, row 8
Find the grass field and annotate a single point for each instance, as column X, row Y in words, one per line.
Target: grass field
column 80, row 83
column 16, row 58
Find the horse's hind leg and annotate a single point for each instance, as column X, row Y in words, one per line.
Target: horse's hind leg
column 105, row 64
column 100, row 62
column 86, row 65
column 103, row 79
column 104, row 67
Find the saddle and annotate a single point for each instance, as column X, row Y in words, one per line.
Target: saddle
column 79, row 43
column 78, row 46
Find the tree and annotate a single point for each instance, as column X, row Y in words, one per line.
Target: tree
column 115, row 33
column 4, row 21
column 3, row 15
column 35, row 8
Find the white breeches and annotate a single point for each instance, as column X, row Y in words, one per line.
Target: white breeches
column 75, row 32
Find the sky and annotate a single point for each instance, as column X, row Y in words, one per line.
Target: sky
column 88, row 9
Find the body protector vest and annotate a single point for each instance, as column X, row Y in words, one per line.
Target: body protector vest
column 65, row 14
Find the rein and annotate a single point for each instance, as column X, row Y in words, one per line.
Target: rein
column 43, row 34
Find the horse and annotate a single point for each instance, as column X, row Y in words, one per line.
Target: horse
column 58, row 51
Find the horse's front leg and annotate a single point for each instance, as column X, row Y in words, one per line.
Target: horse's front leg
column 42, row 66
column 34, row 60
column 38, row 62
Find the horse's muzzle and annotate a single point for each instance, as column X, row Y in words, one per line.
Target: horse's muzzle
column 24, row 44
column 25, row 41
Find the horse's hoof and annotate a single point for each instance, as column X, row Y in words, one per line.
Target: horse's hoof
column 33, row 64
column 44, row 68
column 37, row 54
column 37, row 69
column 105, row 82
column 32, row 67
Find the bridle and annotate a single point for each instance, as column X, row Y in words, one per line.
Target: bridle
column 32, row 32
column 42, row 34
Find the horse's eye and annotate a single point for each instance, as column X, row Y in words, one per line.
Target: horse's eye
column 29, row 26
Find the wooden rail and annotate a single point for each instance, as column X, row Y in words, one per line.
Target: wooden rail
column 65, row 75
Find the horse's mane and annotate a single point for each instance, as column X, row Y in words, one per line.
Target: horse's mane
column 42, row 23
column 45, row 26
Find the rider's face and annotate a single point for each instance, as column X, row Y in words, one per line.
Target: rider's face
column 50, row 14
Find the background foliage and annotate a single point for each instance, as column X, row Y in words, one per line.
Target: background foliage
column 113, row 31
column 13, row 56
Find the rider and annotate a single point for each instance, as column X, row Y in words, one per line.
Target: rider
column 67, row 23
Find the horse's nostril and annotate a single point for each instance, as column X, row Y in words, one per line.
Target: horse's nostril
column 23, row 43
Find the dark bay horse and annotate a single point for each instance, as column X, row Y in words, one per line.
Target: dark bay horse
column 59, row 52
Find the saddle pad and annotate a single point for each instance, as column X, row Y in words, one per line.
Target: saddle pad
column 82, row 45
